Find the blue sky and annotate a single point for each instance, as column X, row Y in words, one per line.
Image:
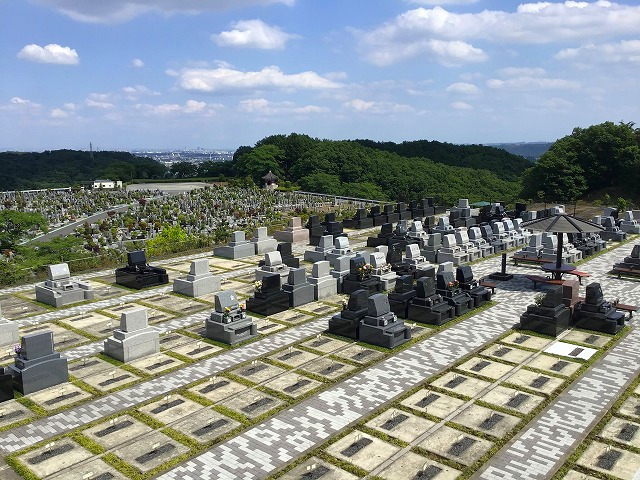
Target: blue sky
column 128, row 74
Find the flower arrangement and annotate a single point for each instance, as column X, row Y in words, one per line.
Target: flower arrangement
column 365, row 271
column 226, row 314
column 539, row 299
column 453, row 284
column 257, row 285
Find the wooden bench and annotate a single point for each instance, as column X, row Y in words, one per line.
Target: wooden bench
column 488, row 284
column 626, row 271
column 626, row 308
column 579, row 274
column 520, row 258
column 538, row 279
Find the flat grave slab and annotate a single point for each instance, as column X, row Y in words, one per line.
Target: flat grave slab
column 293, row 384
column 226, row 263
column 170, row 408
column 622, row 431
column 14, row 307
column 218, row 388
column 434, row 403
column 117, row 431
column 102, row 291
column 610, row 460
column 555, row 365
column 89, row 366
column 400, row 424
column 251, row 403
column 291, row 317
column 90, row 469
column 461, row 384
column 631, row 408
column 258, row 372
column 156, row 363
column 526, row 340
column 267, row 327
column 570, row 350
column 294, row 357
column 359, row 354
column 573, row 475
column 325, row 344
column 205, row 426
column 538, row 382
column 456, row 445
column 175, row 303
column 485, row 368
column 249, row 277
column 318, row 308
column 110, row 379
column 92, row 322
column 150, row 451
column 121, row 308
column 328, row 368
column 588, row 338
column 59, row 396
column 62, row 338
column 54, row 457
column 507, row 353
column 245, row 289
column 362, row 450
column 11, row 412
column 486, row 420
column 412, row 465
column 316, row 468
column 512, row 399
column 196, row 350
column 172, row 340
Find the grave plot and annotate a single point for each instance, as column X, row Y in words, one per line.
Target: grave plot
column 258, row 372
column 184, row 267
column 241, row 288
column 526, row 340
column 433, row 403
column 485, row 368
column 573, row 475
column 91, row 469
column 555, row 365
column 59, row 396
column 570, row 350
column 62, row 338
column 291, row 317
column 103, row 291
column 196, row 349
column 15, row 307
column 93, row 323
column 170, row 408
column 294, row 357
column 315, row 468
column 539, row 382
column 461, row 384
column 11, row 412
column 227, row 264
column 486, row 420
column 217, row 388
column 512, row 399
column 117, row 431
column 245, row 277
column 622, row 431
column 54, row 457
column 631, row 408
column 155, row 364
column 205, row 426
column 507, row 353
column 359, row 354
column 173, row 340
column 412, row 465
column 267, row 327
column 88, row 366
column 293, row 384
column 328, row 368
column 455, row 445
column 150, row 451
column 318, row 308
column 596, row 340
column 110, row 379
column 324, row 344
column 400, row 424
column 251, row 403
column 180, row 305
column 610, row 460
column 362, row 450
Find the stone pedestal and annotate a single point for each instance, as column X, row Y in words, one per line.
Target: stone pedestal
column 229, row 322
column 269, row 298
column 324, row 284
column 134, row 339
column 325, row 245
column 262, row 242
column 427, row 306
column 347, row 322
column 550, row 318
column 294, row 233
column 399, row 299
column 273, row 264
column 238, row 247
column 594, row 313
column 380, row 326
column 60, row 290
column 299, row 290
column 199, row 282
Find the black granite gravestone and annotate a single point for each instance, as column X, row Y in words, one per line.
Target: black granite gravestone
column 399, row 299
column 551, row 317
column 464, row 276
column 595, row 313
column 380, row 326
column 428, row 306
column 269, row 298
column 347, row 322
column 138, row 274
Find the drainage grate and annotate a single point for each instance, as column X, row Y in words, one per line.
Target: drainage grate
column 296, row 386
column 290, row 355
column 428, row 473
column 591, row 339
column 607, row 460
column 460, row 447
column 394, row 422
column 428, row 400
column 627, row 432
column 491, row 421
column 113, row 380
column 455, row 382
column 331, row 368
column 316, row 473
column 576, row 351
column 254, row 369
column 521, row 339
column 252, row 407
column 168, row 338
column 84, row 365
column 539, row 382
column 54, row 452
column 62, row 398
column 160, row 364
column 558, row 366
column 480, row 365
column 320, row 342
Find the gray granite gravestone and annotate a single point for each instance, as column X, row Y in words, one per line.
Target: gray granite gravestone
column 134, row 339
column 59, row 289
column 238, row 247
column 199, row 282
column 8, row 332
column 300, row 291
column 324, row 284
column 262, row 242
column 229, row 322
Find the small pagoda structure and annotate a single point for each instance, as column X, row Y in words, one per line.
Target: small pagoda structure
column 270, row 181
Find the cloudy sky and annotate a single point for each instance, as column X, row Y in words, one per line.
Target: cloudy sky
column 130, row 74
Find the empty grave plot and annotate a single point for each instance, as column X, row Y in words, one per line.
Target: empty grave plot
column 540, row 382
column 267, row 327
column 59, row 396
column 89, row 366
column 293, row 384
column 93, row 323
column 62, row 338
column 173, row 339
column 570, row 350
column 485, row 368
column 318, row 308
column 434, row 403
column 325, row 344
column 328, row 368
column 217, row 388
column 241, row 288
column 90, row 469
column 226, row 263
column 258, row 372
column 14, row 307
column 196, row 349
column 205, row 426
column 292, row 317
column 359, row 354
column 251, row 403
column 111, row 378
column 456, row 445
column 414, row 466
column 461, row 384
column 155, row 364
column 316, row 469
column 400, row 424
column 588, row 338
column 170, row 408
column 573, row 475
column 181, row 305
column 512, row 399
column 105, row 291
column 555, row 365
column 248, row 277
column 117, row 431
column 294, row 357
column 631, row 408
column 622, row 431
column 526, row 340
column 54, row 457
column 362, row 450
column 12, row 412
column 610, row 460
column 507, row 353
column 150, row 451
column 487, row 421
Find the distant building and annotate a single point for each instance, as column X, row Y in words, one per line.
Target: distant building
column 106, row 184
column 270, row 181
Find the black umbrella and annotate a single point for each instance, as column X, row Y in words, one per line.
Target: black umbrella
column 562, row 223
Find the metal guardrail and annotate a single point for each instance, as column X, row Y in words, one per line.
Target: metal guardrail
column 341, row 197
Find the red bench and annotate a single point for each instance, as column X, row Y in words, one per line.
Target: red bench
column 538, row 279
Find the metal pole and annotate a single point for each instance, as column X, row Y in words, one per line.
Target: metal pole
column 558, row 275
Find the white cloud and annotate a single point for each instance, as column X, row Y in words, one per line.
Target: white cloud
column 527, row 83
column 136, row 91
column 415, row 32
column 253, row 34
column 137, row 63
column 522, row 71
column 171, row 72
column 115, row 11
column 461, row 106
column 165, row 109
column 99, row 100
column 59, row 113
column 625, row 51
column 192, row 106
column 442, row 2
column 464, row 88
column 369, row 106
column 18, row 104
column 52, row 53
column 555, row 103
column 69, row 106
column 262, row 106
column 23, row 101
column 225, row 79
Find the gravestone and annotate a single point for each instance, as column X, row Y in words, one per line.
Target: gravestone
column 595, row 313
column 315, row 228
column 462, row 240
column 360, row 220
column 268, row 298
column 273, row 264
column 449, row 288
column 347, row 322
column 229, row 322
column 389, row 211
column 134, row 339
column 340, row 269
column 403, row 212
column 8, row 332
column 300, row 291
column 59, row 289
column 239, row 247
column 341, row 248
column 480, row 295
column 376, row 216
column 399, row 299
column 611, row 231
column 324, row 284
column 262, row 242
column 475, row 237
column 199, row 282
column 451, row 252
column 534, row 248
column 432, row 247
column 381, row 270
column 386, row 232
column 324, row 246
column 294, row 233
column 360, row 277
column 139, row 274
column 427, row 306
column 380, row 326
column 551, row 317
column 333, row 227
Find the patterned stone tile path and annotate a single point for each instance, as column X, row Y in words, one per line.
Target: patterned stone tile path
column 540, row 449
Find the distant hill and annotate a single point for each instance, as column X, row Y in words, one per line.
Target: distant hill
column 529, row 150
column 63, row 168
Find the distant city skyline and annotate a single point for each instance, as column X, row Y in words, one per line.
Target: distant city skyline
column 126, row 73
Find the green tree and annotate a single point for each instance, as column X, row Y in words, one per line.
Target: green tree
column 556, row 177
column 14, row 226
column 170, row 239
column 259, row 161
